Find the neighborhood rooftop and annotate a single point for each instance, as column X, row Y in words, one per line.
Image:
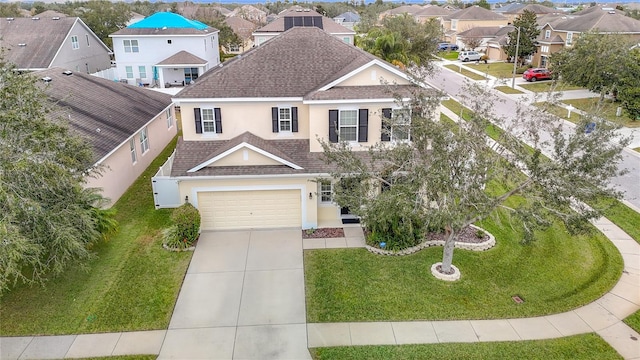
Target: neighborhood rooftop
column 278, row 25
column 308, row 56
column 103, row 111
column 165, row 23
column 474, row 13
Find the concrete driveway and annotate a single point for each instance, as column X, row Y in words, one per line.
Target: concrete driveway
column 242, row 298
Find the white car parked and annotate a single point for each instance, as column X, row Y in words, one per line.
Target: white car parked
column 469, row 56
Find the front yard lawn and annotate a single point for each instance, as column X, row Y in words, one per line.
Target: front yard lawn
column 449, row 55
column 548, row 85
column 556, row 273
column 633, row 321
column 500, row 70
column 508, row 90
column 131, row 285
column 583, row 347
column 606, row 109
column 560, row 112
column 465, row 72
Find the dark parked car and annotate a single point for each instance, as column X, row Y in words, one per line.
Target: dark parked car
column 447, row 46
column 535, row 74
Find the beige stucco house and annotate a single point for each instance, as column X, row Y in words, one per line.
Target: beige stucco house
column 39, row 43
column 560, row 31
column 468, row 18
column 127, row 126
column 250, row 154
column 243, row 28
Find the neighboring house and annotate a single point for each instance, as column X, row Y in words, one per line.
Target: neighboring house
column 50, row 14
column 40, row 43
column 250, row 13
column 562, row 31
column 401, row 10
column 486, row 35
column 243, row 28
column 165, row 49
column 135, row 17
column 515, row 10
column 250, row 155
column 429, row 12
column 297, row 16
column 465, row 19
column 348, row 19
column 127, row 126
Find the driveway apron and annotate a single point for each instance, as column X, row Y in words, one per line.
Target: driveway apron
column 242, row 298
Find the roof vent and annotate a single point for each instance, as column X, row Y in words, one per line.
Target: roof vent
column 164, row 28
column 10, row 19
column 67, row 72
column 307, row 10
column 35, row 18
column 608, row 9
column 22, row 44
column 98, row 130
column 46, row 79
column 298, row 10
column 612, row 12
column 55, row 18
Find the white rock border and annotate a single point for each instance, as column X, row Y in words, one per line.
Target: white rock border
column 482, row 246
column 442, row 276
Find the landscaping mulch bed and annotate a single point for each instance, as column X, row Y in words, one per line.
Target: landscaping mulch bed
column 323, row 233
column 468, row 235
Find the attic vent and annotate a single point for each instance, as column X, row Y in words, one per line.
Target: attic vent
column 22, row 44
column 35, row 18
column 10, row 19
column 55, row 18
column 67, row 72
column 298, row 10
column 46, row 79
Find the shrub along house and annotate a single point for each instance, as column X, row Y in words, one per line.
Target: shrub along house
column 250, row 154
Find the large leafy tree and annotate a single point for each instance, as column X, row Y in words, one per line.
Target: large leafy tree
column 404, row 40
column 48, row 220
column 602, row 63
column 104, row 17
column 529, row 31
column 9, row 10
column 449, row 176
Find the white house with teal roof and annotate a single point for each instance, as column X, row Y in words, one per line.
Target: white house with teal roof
column 164, row 50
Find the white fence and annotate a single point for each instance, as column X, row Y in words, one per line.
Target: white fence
column 109, row 74
column 165, row 189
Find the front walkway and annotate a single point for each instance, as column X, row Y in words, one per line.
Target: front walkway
column 243, row 298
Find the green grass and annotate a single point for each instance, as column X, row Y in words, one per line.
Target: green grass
column 547, row 85
column 582, row 347
column 498, row 69
column 636, row 149
column 508, row 90
column 560, row 112
column 465, row 72
column 449, row 55
column 606, row 109
column 556, row 273
column 124, row 357
column 624, row 217
column 633, row 321
column 131, row 285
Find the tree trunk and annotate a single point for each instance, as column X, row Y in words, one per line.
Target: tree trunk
column 447, row 252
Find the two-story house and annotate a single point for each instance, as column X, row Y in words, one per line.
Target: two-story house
column 126, row 126
column 250, row 154
column 165, row 49
column 559, row 32
column 297, row 16
column 348, row 19
column 429, row 12
column 468, row 18
column 243, row 28
column 39, row 43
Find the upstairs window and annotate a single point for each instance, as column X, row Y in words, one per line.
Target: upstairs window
column 74, row 43
column 547, row 34
column 284, row 119
column 131, row 46
column 144, row 141
column 132, row 149
column 208, row 121
column 348, row 125
column 401, row 125
column 167, row 114
column 454, row 24
column 569, row 40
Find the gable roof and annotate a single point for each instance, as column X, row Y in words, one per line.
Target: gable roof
column 596, row 18
column 313, row 59
column 165, row 23
column 433, row 10
column 404, row 9
column 535, row 8
column 91, row 103
column 348, row 16
column 328, row 25
column 243, row 28
column 183, row 58
column 486, row 31
column 50, row 14
column 474, row 12
column 43, row 38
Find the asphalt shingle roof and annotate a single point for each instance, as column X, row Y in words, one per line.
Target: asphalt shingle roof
column 243, row 28
column 292, row 64
column 328, row 24
column 90, row 103
column 43, row 39
column 610, row 21
column 183, row 58
column 474, row 13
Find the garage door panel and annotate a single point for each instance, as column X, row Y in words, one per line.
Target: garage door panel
column 250, row 209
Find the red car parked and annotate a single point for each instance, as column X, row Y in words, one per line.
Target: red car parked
column 535, row 74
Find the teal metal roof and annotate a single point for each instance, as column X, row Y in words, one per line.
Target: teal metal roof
column 167, row 20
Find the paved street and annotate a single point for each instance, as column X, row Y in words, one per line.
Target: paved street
column 452, row 83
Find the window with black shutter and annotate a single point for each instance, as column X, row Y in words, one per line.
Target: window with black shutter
column 333, row 126
column 386, row 125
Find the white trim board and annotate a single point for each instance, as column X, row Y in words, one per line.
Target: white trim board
column 383, row 65
column 244, row 145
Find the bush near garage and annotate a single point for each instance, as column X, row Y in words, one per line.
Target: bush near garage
column 185, row 228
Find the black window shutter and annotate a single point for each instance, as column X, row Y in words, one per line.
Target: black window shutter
column 333, row 125
column 363, row 125
column 386, row 128
column 294, row 119
column 218, row 117
column 196, row 115
column 274, row 119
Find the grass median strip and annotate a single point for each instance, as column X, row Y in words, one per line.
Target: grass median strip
column 508, row 90
column 580, row 347
column 605, row 109
column 465, row 72
column 545, row 86
column 633, row 321
column 131, row 285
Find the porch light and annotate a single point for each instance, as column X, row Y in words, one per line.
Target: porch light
column 310, row 196
column 186, row 198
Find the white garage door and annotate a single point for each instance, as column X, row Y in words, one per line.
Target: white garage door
column 249, row 209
